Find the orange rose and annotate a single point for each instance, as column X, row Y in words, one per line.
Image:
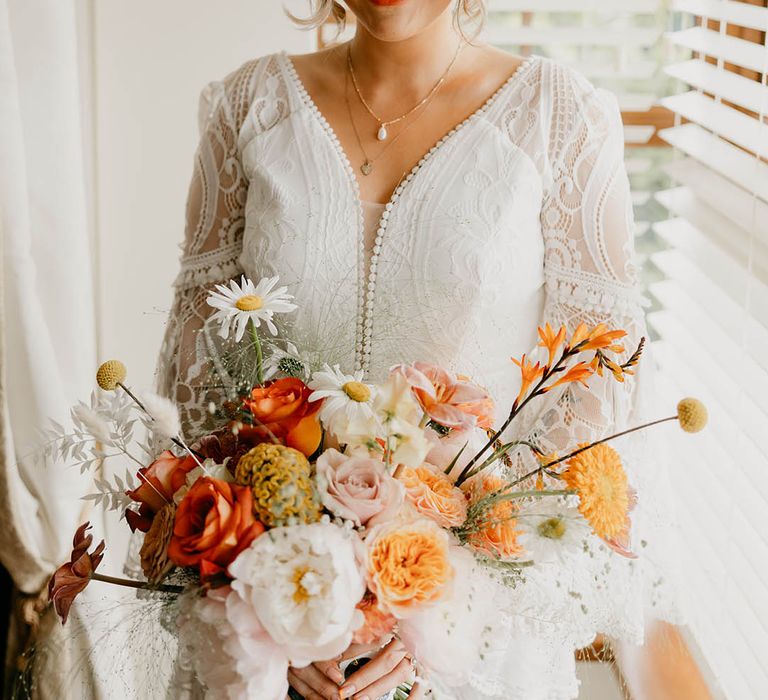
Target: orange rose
column 158, row 482
column 408, row 565
column 433, row 494
column 497, row 533
column 280, row 409
column 214, row 523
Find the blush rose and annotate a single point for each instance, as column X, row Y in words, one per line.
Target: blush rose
column 357, row 488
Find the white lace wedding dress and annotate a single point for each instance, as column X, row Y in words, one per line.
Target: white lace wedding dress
column 519, row 215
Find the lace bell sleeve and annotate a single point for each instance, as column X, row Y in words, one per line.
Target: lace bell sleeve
column 590, row 273
column 591, row 277
column 212, row 244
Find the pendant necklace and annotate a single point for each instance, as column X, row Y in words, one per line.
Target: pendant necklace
column 382, row 134
column 366, row 168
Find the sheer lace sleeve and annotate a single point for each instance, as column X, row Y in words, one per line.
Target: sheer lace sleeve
column 588, row 230
column 212, row 244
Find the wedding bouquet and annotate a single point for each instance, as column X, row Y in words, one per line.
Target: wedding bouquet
column 325, row 510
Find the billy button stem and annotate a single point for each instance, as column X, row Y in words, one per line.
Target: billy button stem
column 111, row 375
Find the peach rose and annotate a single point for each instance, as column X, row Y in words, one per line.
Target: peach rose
column 408, row 566
column 158, row 482
column 433, row 494
column 214, row 523
column 498, row 533
column 281, row 409
column 357, row 488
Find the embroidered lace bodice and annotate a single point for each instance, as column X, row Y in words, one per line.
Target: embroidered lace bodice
column 520, row 215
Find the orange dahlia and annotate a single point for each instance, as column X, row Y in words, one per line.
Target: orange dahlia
column 605, row 497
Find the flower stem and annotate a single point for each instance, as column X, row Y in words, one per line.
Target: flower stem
column 142, row 585
column 516, row 408
column 587, row 447
column 259, row 354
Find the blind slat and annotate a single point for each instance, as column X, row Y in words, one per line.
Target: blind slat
column 748, row 376
column 570, row 36
column 740, row 207
column 741, row 245
column 728, row 160
column 724, row 311
column 738, row 127
column 728, row 85
column 732, row 49
column 725, row 272
column 738, row 13
column 744, row 438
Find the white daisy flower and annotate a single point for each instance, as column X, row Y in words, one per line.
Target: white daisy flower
column 246, row 302
column 347, row 409
column 552, row 530
column 289, row 362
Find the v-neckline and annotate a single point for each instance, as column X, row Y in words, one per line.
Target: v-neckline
column 310, row 103
column 368, row 260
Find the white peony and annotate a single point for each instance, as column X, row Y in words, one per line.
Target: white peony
column 228, row 649
column 303, row 583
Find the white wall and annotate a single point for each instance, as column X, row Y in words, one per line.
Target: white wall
column 151, row 61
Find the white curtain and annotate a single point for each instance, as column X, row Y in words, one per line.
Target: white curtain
column 47, row 320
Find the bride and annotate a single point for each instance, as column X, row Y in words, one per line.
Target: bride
column 425, row 196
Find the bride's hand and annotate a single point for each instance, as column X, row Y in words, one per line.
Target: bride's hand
column 389, row 667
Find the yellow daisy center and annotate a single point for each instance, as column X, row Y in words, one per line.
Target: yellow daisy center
column 357, row 391
column 553, row 528
column 250, row 302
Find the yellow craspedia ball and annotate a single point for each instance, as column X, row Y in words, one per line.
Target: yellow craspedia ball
column 692, row 415
column 281, row 481
column 110, row 374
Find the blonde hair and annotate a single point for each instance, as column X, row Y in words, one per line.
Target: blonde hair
column 466, row 11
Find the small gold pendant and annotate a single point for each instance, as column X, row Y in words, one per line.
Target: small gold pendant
column 366, row 168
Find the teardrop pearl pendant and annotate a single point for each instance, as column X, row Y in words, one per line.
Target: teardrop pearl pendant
column 382, row 133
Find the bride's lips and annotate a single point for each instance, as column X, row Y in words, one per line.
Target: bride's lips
column 386, row 3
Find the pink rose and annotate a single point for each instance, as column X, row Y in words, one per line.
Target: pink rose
column 357, row 488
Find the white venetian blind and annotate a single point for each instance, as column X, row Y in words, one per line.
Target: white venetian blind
column 713, row 324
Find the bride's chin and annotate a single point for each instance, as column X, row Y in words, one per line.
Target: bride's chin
column 397, row 20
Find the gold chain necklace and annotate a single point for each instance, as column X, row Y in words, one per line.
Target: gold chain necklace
column 366, row 168
column 382, row 133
